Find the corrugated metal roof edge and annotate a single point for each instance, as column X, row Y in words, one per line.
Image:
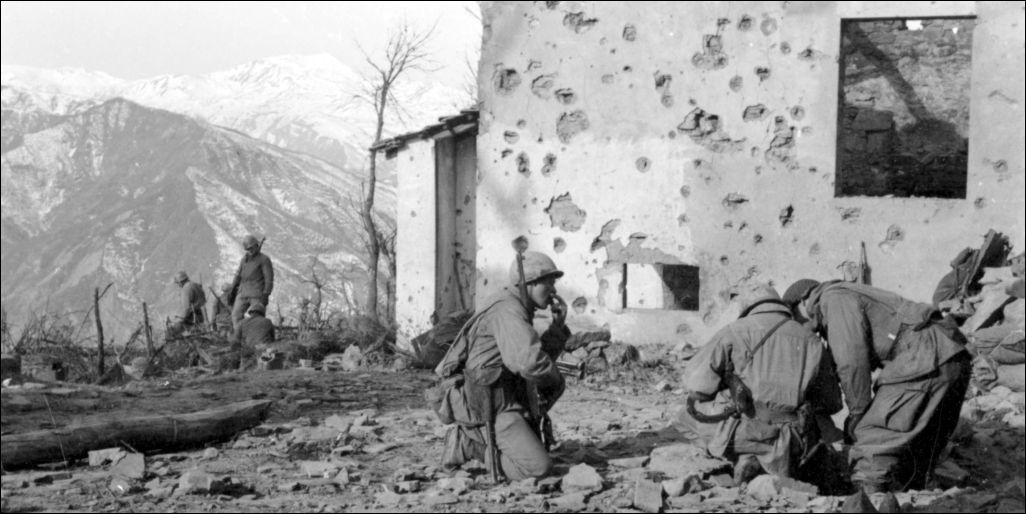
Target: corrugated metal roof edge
column 459, row 123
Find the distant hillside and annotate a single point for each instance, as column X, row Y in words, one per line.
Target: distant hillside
column 128, row 194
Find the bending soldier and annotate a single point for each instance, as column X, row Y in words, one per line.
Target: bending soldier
column 190, row 308
column 898, row 433
column 221, row 311
column 254, row 281
column 503, row 361
column 788, row 389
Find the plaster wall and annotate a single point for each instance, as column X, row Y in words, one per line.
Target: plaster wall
column 415, row 240
column 615, row 132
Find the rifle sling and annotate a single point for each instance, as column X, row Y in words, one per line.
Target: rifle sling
column 751, row 354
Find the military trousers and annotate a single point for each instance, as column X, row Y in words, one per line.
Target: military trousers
column 908, row 424
column 242, row 304
column 521, row 454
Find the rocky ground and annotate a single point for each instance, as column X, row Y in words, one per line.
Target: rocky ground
column 364, row 441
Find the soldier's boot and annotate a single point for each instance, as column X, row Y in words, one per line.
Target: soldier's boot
column 746, row 469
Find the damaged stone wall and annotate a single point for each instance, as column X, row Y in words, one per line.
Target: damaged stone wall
column 415, row 240
column 904, row 123
column 704, row 134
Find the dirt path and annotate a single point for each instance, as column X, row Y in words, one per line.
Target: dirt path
column 365, row 442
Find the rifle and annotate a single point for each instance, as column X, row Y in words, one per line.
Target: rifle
column 236, row 282
column 740, row 396
column 539, row 412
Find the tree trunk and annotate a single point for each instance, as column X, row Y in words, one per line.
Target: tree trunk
column 149, row 334
column 371, row 309
column 99, row 332
column 157, row 432
column 373, row 251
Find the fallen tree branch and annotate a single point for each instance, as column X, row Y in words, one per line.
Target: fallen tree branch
column 158, row 432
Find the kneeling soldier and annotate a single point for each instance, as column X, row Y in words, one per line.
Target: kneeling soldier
column 509, row 375
column 782, row 385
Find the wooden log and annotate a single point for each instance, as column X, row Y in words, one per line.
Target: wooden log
column 158, row 432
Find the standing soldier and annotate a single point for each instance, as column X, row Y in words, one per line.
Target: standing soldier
column 898, row 426
column 190, row 307
column 254, row 280
column 503, row 360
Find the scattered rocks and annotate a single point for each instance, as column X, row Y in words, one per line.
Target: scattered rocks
column 317, row 469
column 458, row 485
column 131, row 466
column 858, row 502
column 629, row 462
column 195, row 481
column 648, row 495
column 581, row 477
column 681, row 486
column 108, row 455
column 376, row 449
column 573, row 502
column 682, row 460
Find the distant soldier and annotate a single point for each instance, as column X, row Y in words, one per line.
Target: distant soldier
column 221, row 311
column 253, row 281
column 190, row 309
column 254, row 331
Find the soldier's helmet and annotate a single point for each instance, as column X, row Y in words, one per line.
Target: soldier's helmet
column 181, row 277
column 249, row 242
column 747, row 295
column 537, row 266
column 226, row 288
column 256, row 307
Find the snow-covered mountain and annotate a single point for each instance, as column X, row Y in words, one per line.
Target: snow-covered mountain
column 129, row 194
column 106, row 180
column 308, row 104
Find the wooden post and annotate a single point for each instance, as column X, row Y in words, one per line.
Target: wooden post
column 99, row 332
column 146, row 327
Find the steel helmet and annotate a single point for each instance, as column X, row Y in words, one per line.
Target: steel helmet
column 537, row 266
column 250, row 241
column 747, row 295
column 181, row 277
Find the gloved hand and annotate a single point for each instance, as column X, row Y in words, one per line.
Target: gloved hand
column 558, row 307
column 850, row 423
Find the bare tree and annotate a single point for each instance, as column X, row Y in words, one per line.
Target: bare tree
column 386, row 241
column 317, row 300
column 406, row 51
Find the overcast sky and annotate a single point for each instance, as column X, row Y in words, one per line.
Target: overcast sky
column 134, row 40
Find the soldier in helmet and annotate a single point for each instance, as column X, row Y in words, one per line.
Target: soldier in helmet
column 789, row 382
column 190, row 308
column 221, row 311
column 900, row 421
column 500, row 353
column 254, row 280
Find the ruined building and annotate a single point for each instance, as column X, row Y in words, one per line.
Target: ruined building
column 664, row 152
